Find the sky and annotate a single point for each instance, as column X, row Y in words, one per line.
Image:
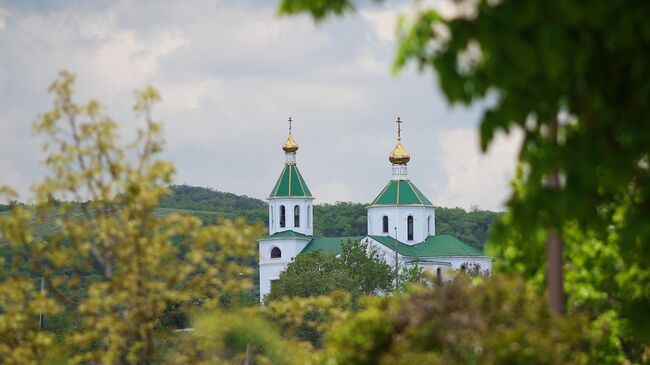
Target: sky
column 230, row 74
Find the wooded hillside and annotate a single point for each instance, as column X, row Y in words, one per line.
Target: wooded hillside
column 339, row 219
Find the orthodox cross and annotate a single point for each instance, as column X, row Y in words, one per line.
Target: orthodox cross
column 399, row 129
column 290, row 125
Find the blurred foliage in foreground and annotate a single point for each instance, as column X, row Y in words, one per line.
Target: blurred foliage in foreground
column 571, row 77
column 144, row 266
column 492, row 321
column 139, row 271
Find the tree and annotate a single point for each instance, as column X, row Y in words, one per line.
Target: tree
column 572, row 77
column 111, row 233
column 358, row 269
column 502, row 321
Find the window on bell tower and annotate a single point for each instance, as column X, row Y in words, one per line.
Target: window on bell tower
column 409, row 228
column 296, row 216
column 276, row 253
column 384, row 224
column 283, row 214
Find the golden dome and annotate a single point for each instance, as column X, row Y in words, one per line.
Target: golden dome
column 399, row 156
column 290, row 145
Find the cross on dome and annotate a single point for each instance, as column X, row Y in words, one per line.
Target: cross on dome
column 399, row 156
column 290, row 145
column 399, row 129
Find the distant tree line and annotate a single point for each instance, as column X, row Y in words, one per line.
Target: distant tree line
column 330, row 220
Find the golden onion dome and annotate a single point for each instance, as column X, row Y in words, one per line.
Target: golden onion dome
column 399, row 156
column 290, row 145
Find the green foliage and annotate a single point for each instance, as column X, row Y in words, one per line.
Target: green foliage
column 597, row 281
column 583, row 117
column 330, row 220
column 575, row 83
column 309, row 319
column 204, row 202
column 235, row 338
column 358, row 269
column 340, row 220
column 500, row 321
column 106, row 262
column 471, row 227
column 350, row 219
column 318, row 8
column 311, row 274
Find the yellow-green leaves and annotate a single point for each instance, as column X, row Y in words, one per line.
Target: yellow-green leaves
column 108, row 259
column 21, row 342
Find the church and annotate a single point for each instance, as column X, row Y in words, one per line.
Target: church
column 401, row 224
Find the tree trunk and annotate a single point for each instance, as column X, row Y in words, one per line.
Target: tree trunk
column 554, row 245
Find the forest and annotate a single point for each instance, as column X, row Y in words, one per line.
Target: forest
column 330, row 220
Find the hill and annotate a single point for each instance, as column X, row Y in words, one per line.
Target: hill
column 339, row 219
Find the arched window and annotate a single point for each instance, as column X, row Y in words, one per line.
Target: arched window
column 428, row 225
column 296, row 216
column 384, row 222
column 276, row 253
column 409, row 228
column 283, row 214
column 439, row 274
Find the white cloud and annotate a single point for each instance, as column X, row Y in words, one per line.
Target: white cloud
column 230, row 74
column 4, row 14
column 474, row 178
column 13, row 178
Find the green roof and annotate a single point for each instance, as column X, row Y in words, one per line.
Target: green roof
column 288, row 233
column 434, row 246
column 290, row 184
column 328, row 244
column 401, row 192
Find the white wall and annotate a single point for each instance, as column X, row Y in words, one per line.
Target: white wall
column 306, row 215
column 270, row 269
column 448, row 264
column 397, row 216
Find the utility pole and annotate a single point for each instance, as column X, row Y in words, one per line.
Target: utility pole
column 396, row 262
column 41, row 317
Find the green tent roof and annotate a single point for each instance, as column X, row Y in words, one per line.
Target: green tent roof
column 401, row 192
column 290, row 184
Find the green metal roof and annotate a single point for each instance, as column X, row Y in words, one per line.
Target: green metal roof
column 290, row 184
column 328, row 244
column 433, row 246
column 288, row 233
column 401, row 192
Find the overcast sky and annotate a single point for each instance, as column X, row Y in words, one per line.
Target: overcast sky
column 230, row 74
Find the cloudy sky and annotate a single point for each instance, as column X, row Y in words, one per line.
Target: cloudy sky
column 230, row 74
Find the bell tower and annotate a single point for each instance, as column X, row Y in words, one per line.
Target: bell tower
column 291, row 223
column 401, row 210
column 291, row 202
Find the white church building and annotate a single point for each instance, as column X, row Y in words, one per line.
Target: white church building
column 400, row 219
